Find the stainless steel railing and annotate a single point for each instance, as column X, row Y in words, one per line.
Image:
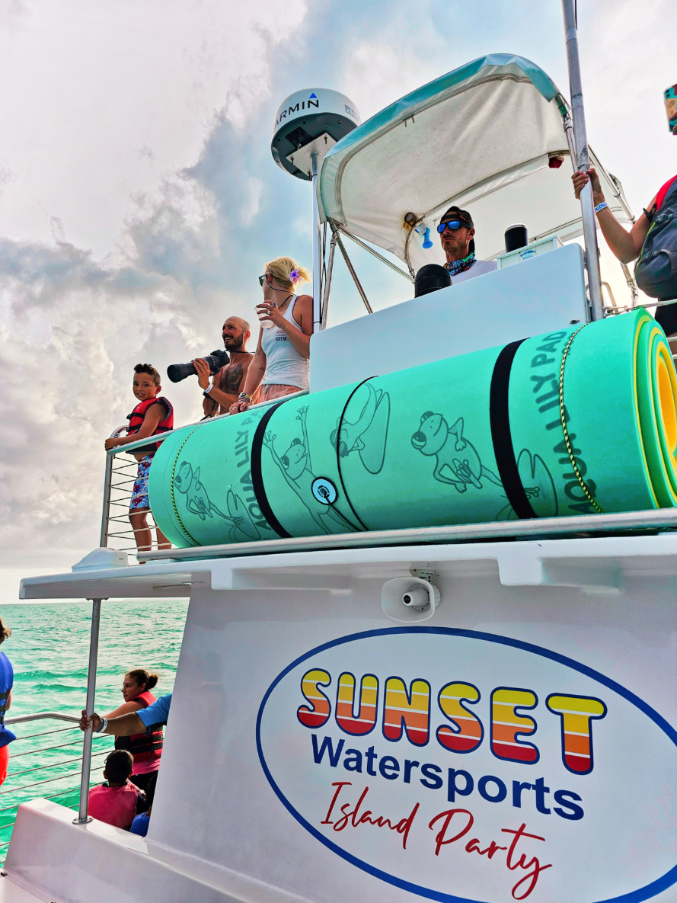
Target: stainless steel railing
column 52, row 765
column 116, row 530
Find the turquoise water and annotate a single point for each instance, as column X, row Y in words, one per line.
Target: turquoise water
column 49, row 650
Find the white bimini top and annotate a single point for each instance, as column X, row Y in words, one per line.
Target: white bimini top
column 284, row 365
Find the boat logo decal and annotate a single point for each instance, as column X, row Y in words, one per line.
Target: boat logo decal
column 463, row 767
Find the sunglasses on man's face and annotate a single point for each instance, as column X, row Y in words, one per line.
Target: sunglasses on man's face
column 263, row 278
column 453, row 225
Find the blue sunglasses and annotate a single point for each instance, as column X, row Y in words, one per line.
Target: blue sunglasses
column 453, row 224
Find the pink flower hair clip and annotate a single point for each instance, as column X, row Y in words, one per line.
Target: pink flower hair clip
column 294, row 276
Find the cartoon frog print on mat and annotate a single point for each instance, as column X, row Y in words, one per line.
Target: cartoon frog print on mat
column 456, row 460
column 188, row 482
column 367, row 435
column 297, row 469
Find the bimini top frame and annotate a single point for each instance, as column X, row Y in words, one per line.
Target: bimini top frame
column 486, row 137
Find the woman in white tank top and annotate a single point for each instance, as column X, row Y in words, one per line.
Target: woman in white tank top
column 281, row 362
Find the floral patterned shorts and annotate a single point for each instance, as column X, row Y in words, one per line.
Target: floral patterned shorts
column 140, row 490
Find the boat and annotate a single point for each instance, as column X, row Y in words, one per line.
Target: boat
column 461, row 712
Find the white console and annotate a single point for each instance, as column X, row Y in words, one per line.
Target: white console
column 541, row 295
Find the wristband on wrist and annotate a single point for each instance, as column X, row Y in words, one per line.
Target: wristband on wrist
column 209, row 389
column 103, row 725
column 602, row 206
column 243, row 396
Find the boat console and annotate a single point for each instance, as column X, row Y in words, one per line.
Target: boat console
column 540, row 295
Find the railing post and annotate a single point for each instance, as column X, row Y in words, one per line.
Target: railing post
column 317, row 249
column 105, row 513
column 83, row 818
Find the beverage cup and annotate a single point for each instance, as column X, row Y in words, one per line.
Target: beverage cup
column 263, row 318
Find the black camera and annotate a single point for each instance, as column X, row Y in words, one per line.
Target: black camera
column 216, row 360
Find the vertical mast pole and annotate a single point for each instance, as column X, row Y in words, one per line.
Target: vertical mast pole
column 583, row 160
column 89, row 706
column 317, row 245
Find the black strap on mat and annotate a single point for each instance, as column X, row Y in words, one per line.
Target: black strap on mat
column 257, row 478
column 499, row 416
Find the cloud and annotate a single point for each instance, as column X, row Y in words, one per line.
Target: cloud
column 13, row 14
column 73, row 323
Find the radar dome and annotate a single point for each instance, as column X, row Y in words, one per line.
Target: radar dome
column 308, row 122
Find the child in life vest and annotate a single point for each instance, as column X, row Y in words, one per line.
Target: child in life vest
column 152, row 415
column 117, row 801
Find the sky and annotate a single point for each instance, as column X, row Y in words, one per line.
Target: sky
column 139, row 200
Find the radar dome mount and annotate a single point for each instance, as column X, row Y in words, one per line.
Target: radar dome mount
column 310, row 123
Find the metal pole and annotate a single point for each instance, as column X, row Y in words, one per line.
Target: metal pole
column 374, row 253
column 327, row 283
column 583, row 161
column 83, row 818
column 351, row 270
column 317, row 242
column 105, row 513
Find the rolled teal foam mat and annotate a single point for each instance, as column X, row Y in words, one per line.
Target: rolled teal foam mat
column 580, row 421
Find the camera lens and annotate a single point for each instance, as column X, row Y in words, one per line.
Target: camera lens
column 177, row 372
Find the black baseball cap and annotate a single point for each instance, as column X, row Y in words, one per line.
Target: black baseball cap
column 456, row 213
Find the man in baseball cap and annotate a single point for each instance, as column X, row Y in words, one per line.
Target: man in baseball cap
column 457, row 231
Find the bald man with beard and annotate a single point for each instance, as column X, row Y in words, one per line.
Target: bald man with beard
column 222, row 390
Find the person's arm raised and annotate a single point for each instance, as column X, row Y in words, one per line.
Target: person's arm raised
column 210, row 403
column 124, row 726
column 623, row 244
column 235, row 377
column 124, row 709
column 298, row 333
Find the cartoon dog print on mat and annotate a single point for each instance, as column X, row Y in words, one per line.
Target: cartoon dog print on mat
column 367, row 435
column 188, row 482
column 538, row 486
column 456, row 460
column 297, row 469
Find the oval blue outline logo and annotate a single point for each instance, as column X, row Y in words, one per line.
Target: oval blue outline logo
column 637, row 896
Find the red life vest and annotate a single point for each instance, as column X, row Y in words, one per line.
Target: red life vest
column 137, row 416
column 660, row 197
column 146, row 746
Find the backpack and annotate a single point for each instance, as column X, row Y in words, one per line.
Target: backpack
column 656, row 268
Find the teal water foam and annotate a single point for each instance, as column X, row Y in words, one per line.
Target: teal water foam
column 49, row 650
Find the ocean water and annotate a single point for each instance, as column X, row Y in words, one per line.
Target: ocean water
column 49, row 650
